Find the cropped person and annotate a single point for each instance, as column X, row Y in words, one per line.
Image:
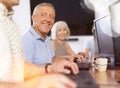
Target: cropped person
column 44, row 81
column 59, row 34
column 14, row 71
column 89, row 47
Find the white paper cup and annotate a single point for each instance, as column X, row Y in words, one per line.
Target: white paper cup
column 101, row 64
column 101, row 67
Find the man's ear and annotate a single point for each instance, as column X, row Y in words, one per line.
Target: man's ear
column 33, row 18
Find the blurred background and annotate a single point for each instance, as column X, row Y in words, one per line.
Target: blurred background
column 73, row 12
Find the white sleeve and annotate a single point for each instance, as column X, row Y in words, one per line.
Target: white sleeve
column 5, row 55
column 86, row 45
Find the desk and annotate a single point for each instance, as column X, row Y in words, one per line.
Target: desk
column 107, row 79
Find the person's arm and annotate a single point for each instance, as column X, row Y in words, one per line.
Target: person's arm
column 43, row 81
column 58, row 58
column 60, row 67
column 69, row 49
column 49, row 81
column 53, row 81
column 9, row 85
column 86, row 48
column 31, row 70
column 86, row 52
column 73, row 54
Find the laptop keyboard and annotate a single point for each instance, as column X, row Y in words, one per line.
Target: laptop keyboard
column 84, row 80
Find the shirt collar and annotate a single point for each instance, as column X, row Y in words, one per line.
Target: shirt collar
column 35, row 34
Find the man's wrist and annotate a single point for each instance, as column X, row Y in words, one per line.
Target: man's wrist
column 47, row 68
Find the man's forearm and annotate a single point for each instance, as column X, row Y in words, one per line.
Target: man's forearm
column 31, row 70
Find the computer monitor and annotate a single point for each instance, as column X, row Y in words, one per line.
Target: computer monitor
column 107, row 45
column 104, row 36
column 104, row 45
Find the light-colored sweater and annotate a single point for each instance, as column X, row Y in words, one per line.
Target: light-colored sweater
column 11, row 52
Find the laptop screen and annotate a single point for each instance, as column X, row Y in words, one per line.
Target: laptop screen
column 103, row 36
column 105, row 44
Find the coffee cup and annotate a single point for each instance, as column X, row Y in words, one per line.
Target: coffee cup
column 101, row 64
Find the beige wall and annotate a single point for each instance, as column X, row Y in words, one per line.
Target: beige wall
column 78, row 46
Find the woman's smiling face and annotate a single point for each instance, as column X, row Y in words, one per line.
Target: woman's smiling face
column 61, row 33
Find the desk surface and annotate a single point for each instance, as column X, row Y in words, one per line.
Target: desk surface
column 107, row 79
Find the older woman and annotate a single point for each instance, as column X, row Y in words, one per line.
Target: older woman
column 59, row 33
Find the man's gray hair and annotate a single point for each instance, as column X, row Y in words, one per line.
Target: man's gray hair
column 40, row 5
